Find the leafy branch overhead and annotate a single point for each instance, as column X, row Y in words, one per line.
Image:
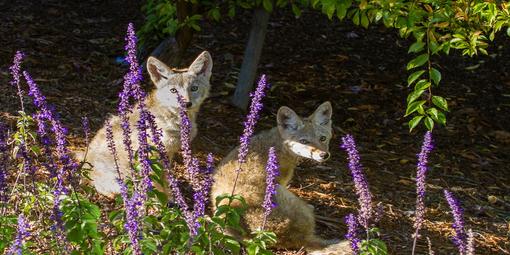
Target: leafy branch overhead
column 436, row 26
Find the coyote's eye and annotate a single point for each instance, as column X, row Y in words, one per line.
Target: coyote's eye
column 304, row 141
column 323, row 138
column 194, row 88
column 173, row 90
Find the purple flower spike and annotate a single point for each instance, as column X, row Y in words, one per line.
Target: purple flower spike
column 470, row 243
column 352, row 233
column 86, row 128
column 143, row 153
column 185, row 132
column 4, row 155
column 460, row 238
column 360, row 183
column 67, row 165
column 131, row 89
column 272, row 171
column 15, row 72
column 252, row 118
column 420, row 184
column 156, row 135
column 132, row 225
column 21, row 235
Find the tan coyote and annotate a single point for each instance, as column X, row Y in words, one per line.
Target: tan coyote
column 293, row 219
column 191, row 83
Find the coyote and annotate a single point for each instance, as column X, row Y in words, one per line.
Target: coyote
column 292, row 220
column 191, row 83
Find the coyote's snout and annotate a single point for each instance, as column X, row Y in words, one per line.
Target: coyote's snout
column 191, row 83
column 293, row 219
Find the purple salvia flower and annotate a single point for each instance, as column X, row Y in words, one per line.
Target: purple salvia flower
column 202, row 190
column 272, row 171
column 143, row 153
column 4, row 155
column 208, row 175
column 21, row 234
column 185, row 132
column 132, row 204
column 134, row 68
column 360, row 183
column 131, row 89
column 28, row 167
column 15, row 72
column 45, row 140
column 420, row 184
column 112, row 147
column 132, row 225
column 252, row 118
column 199, row 197
column 470, row 243
column 46, row 113
column 156, row 135
column 460, row 238
column 86, row 128
column 68, row 166
column 352, row 233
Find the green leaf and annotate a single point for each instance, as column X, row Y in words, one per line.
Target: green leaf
column 355, row 18
column 433, row 112
column 508, row 31
column 429, row 123
column 414, row 76
column 440, row 102
column 418, row 61
column 414, row 122
column 364, row 20
column 414, row 107
column 421, row 85
column 268, row 5
column 441, row 118
column 414, row 95
column 435, row 75
column 341, row 11
column 296, row 10
column 416, row 47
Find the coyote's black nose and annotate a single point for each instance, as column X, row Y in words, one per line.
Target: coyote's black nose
column 324, row 155
column 189, row 104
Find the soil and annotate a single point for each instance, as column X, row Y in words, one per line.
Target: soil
column 71, row 48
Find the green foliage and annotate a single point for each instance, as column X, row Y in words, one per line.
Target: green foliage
column 160, row 21
column 81, row 219
column 372, row 245
column 435, row 25
column 164, row 229
column 259, row 243
column 7, row 231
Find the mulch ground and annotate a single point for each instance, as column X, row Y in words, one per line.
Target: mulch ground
column 72, row 46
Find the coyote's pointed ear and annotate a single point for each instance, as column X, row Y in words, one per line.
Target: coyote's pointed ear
column 202, row 65
column 322, row 116
column 158, row 70
column 287, row 119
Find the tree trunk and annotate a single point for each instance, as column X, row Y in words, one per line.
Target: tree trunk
column 184, row 35
column 173, row 49
column 251, row 58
